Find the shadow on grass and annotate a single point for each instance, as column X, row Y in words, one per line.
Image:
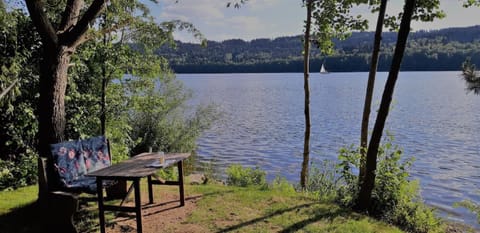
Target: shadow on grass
column 125, row 216
column 319, row 214
column 24, row 219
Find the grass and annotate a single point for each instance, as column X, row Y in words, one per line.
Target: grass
column 11, row 200
column 235, row 209
column 220, row 209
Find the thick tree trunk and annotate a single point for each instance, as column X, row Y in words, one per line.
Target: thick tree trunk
column 367, row 186
column 53, row 84
column 306, row 71
column 370, row 88
column 59, row 43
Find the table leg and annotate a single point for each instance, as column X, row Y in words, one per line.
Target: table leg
column 180, row 181
column 138, row 205
column 150, row 189
column 101, row 211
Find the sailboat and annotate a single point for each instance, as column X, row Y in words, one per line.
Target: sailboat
column 323, row 70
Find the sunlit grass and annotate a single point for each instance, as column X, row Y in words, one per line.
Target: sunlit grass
column 225, row 208
column 220, row 209
column 10, row 200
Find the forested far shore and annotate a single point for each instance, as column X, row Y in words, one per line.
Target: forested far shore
column 436, row 50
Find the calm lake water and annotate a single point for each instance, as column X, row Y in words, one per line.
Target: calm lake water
column 432, row 119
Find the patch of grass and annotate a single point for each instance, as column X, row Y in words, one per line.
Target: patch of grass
column 253, row 209
column 220, row 209
column 10, row 200
column 18, row 210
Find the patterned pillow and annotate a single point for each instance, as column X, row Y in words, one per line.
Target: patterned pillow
column 68, row 162
column 95, row 153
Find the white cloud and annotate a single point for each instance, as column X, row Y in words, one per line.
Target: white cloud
column 274, row 18
column 191, row 10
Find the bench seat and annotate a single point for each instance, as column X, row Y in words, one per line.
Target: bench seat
column 62, row 177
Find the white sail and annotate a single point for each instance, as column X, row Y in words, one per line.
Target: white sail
column 323, row 70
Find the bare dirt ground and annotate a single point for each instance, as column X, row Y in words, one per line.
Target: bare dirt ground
column 165, row 215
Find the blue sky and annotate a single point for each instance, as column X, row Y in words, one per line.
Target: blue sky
column 274, row 18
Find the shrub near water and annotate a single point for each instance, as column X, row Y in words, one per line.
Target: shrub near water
column 243, row 177
column 395, row 199
column 322, row 181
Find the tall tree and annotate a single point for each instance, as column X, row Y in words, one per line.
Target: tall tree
column 306, row 88
column 60, row 38
column 371, row 162
column 370, row 86
column 326, row 20
column 424, row 11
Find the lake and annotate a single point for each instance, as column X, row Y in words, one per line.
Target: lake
column 432, row 119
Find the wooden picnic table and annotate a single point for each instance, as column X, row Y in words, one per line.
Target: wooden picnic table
column 134, row 169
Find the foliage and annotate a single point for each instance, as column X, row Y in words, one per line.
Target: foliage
column 105, row 56
column 210, row 169
column 161, row 119
column 19, row 172
column 471, row 206
column 19, row 49
column 395, row 198
column 323, row 180
column 469, row 3
column 281, row 184
column 425, row 11
column 243, row 177
column 145, row 105
column 333, row 20
column 471, row 76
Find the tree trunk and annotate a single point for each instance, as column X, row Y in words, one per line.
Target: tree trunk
column 103, row 112
column 59, row 44
column 306, row 52
column 370, row 88
column 53, row 84
column 367, row 186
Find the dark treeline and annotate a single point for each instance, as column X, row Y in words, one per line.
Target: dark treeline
column 439, row 50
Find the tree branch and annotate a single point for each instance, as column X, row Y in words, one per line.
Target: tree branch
column 70, row 14
column 73, row 37
column 41, row 21
column 4, row 92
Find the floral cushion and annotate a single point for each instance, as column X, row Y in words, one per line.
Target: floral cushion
column 73, row 159
column 95, row 153
column 68, row 162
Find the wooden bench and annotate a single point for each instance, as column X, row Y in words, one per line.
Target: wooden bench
column 62, row 177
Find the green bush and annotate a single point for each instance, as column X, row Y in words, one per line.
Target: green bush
column 281, row 184
column 243, row 177
column 18, row 173
column 395, row 199
column 322, row 181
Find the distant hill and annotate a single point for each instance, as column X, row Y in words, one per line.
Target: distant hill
column 439, row 50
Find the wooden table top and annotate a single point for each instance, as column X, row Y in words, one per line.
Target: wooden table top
column 138, row 166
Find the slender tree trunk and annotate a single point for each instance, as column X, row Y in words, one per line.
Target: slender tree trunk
column 370, row 88
column 306, row 54
column 103, row 112
column 367, row 186
column 53, row 84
